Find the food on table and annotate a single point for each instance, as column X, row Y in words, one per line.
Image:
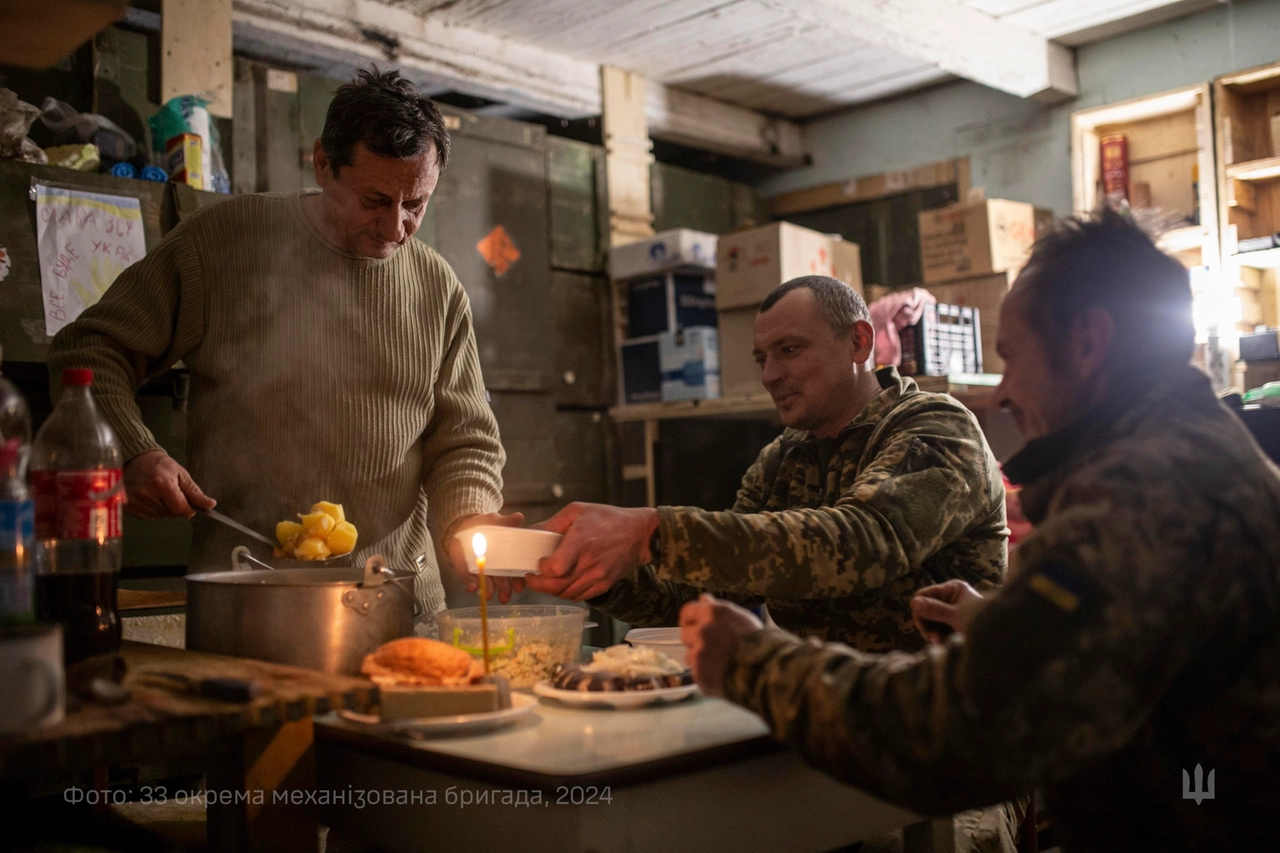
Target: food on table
column 526, row 641
column 420, row 662
column 526, row 665
column 622, row 668
column 317, row 535
column 418, row 677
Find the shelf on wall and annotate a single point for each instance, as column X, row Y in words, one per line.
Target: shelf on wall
column 1267, row 169
column 1183, row 239
column 974, row 391
column 1266, row 259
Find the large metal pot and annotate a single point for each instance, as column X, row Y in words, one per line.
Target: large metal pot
column 322, row 618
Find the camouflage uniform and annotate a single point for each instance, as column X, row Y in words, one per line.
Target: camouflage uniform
column 910, row 496
column 1138, row 636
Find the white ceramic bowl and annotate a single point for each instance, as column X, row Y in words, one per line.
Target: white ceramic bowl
column 510, row 551
column 665, row 640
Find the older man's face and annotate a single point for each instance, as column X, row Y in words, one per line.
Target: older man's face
column 376, row 203
column 1038, row 390
column 804, row 365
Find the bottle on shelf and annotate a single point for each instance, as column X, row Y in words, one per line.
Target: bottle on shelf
column 78, row 485
column 17, row 517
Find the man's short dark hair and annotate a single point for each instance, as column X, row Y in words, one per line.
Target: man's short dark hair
column 838, row 303
column 1106, row 261
column 388, row 115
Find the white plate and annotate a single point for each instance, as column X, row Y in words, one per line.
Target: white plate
column 511, row 551
column 616, row 698
column 521, row 705
column 665, row 640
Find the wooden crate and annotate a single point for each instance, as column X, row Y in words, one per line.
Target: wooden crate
column 1249, row 162
column 1170, row 138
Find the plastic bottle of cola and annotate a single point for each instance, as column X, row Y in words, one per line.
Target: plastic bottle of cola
column 78, row 486
column 17, row 518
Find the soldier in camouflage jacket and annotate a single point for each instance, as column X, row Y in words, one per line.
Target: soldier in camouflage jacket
column 910, row 496
column 1131, row 665
column 875, row 489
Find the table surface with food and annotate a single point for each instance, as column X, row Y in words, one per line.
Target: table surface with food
column 619, row 750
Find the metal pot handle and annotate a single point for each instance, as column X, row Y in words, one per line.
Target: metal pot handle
column 243, row 561
column 376, row 574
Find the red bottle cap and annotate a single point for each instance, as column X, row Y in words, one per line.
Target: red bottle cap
column 77, row 376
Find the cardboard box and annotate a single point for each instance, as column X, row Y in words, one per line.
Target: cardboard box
column 752, row 262
column 984, row 293
column 690, row 360
column 1259, row 373
column 670, row 301
column 739, row 374
column 641, row 371
column 968, row 240
column 678, row 248
column 1275, row 136
column 846, row 263
column 184, row 157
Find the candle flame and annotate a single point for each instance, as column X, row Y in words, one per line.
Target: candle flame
column 478, row 544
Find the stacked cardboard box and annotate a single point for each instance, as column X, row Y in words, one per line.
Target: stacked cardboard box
column 667, row 284
column 750, row 264
column 968, row 240
column 971, row 253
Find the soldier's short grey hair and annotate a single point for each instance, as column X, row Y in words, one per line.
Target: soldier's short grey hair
column 838, row 303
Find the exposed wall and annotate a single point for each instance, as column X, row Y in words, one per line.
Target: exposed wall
column 1019, row 149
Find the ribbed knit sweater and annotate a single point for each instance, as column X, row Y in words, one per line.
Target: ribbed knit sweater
column 315, row 375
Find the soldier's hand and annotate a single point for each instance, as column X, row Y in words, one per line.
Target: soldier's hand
column 711, row 630
column 158, row 487
column 942, row 608
column 601, row 544
column 504, row 586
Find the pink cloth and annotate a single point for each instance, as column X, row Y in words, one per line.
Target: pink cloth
column 896, row 311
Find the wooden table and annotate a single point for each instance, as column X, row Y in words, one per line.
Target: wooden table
column 698, row 775
column 251, row 749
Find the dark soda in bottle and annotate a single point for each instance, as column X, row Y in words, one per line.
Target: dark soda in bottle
column 77, row 483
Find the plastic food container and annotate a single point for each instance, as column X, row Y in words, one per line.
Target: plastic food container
column 509, row 550
column 526, row 641
column 665, row 640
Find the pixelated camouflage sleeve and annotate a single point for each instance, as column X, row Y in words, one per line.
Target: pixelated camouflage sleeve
column 644, row 600
column 924, row 488
column 1059, row 668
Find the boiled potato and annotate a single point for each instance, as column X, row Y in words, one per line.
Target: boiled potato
column 331, row 509
column 342, row 539
column 287, row 533
column 312, row 548
column 317, row 535
column 316, row 525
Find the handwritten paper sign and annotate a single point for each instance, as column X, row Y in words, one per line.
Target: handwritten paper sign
column 85, row 241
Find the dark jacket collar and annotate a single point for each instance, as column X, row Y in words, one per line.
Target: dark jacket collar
column 1043, row 461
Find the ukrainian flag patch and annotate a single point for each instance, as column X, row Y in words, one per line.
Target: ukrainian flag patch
column 1059, row 585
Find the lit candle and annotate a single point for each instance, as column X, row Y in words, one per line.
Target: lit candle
column 479, row 546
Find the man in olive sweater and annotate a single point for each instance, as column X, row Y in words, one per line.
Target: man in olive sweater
column 332, row 355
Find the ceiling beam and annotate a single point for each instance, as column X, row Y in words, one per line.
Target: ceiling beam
column 346, row 34
column 955, row 37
